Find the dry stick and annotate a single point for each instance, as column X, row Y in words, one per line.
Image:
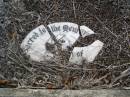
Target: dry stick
column 53, row 37
column 2, row 76
column 48, row 17
column 117, row 67
column 23, row 65
column 51, row 12
column 103, row 77
column 123, row 74
column 20, row 65
column 59, row 48
column 126, row 28
column 74, row 68
column 104, row 26
column 74, row 9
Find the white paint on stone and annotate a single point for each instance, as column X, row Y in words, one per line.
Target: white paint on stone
column 67, row 34
column 88, row 53
column 34, row 44
column 85, row 31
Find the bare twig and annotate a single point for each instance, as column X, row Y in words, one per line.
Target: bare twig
column 123, row 74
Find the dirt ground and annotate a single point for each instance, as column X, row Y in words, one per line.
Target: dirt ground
column 109, row 19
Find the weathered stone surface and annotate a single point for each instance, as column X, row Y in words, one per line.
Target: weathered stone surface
column 63, row 93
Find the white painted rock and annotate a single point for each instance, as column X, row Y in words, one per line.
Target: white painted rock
column 66, row 33
column 86, row 54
